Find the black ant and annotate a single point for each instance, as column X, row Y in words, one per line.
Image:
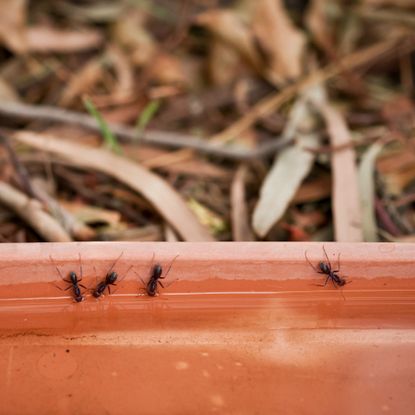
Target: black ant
column 326, row 268
column 73, row 280
column 155, row 277
column 109, row 280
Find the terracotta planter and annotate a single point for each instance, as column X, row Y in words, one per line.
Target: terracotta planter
column 242, row 328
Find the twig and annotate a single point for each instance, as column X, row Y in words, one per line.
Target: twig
column 19, row 168
column 354, row 60
column 30, row 210
column 385, row 219
column 241, row 229
column 261, row 109
column 161, row 138
column 345, row 146
column 74, row 226
column 163, row 197
column 34, row 190
column 346, row 203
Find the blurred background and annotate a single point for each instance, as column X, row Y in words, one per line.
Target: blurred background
column 160, row 120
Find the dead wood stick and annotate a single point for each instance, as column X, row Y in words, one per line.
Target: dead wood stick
column 19, row 168
column 30, row 210
column 157, row 191
column 241, row 229
column 360, row 58
column 153, row 137
column 346, row 202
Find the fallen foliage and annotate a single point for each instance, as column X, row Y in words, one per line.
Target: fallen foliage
column 214, row 120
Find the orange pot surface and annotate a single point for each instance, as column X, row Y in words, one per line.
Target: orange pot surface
column 240, row 328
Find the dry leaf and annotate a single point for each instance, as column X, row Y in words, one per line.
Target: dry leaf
column 77, row 229
column 7, row 92
column 313, row 190
column 310, row 219
column 13, row 25
column 91, row 215
column 346, row 206
column 319, row 26
column 123, row 71
column 279, row 38
column 82, row 81
column 144, row 234
column 409, row 4
column 167, row 69
column 97, row 12
column 163, row 197
column 130, row 33
column 224, row 63
column 368, row 192
column 397, row 168
column 31, row 211
column 207, row 217
column 241, row 230
column 396, row 182
column 49, row 39
column 229, row 27
column 291, row 166
column 271, row 103
column 295, row 233
column 169, row 234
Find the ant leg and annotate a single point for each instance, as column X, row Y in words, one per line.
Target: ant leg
column 92, row 288
column 119, row 280
column 82, row 275
column 341, row 291
column 162, row 278
column 152, row 260
column 327, row 257
column 171, row 263
column 139, row 276
column 122, row 278
column 62, row 289
column 57, row 269
column 114, row 285
column 143, row 288
column 338, row 264
column 325, row 283
column 62, row 277
column 312, row 266
column 80, row 266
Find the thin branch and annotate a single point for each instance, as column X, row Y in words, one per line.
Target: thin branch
column 215, row 147
column 358, row 59
column 162, row 138
column 30, row 210
column 19, row 168
column 157, row 191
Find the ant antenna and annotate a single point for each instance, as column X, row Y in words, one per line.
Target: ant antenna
column 312, row 266
column 113, row 265
column 171, row 263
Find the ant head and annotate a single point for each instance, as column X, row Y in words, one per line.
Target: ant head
column 341, row 282
column 324, row 267
column 73, row 277
column 157, row 271
column 79, row 298
column 112, row 277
